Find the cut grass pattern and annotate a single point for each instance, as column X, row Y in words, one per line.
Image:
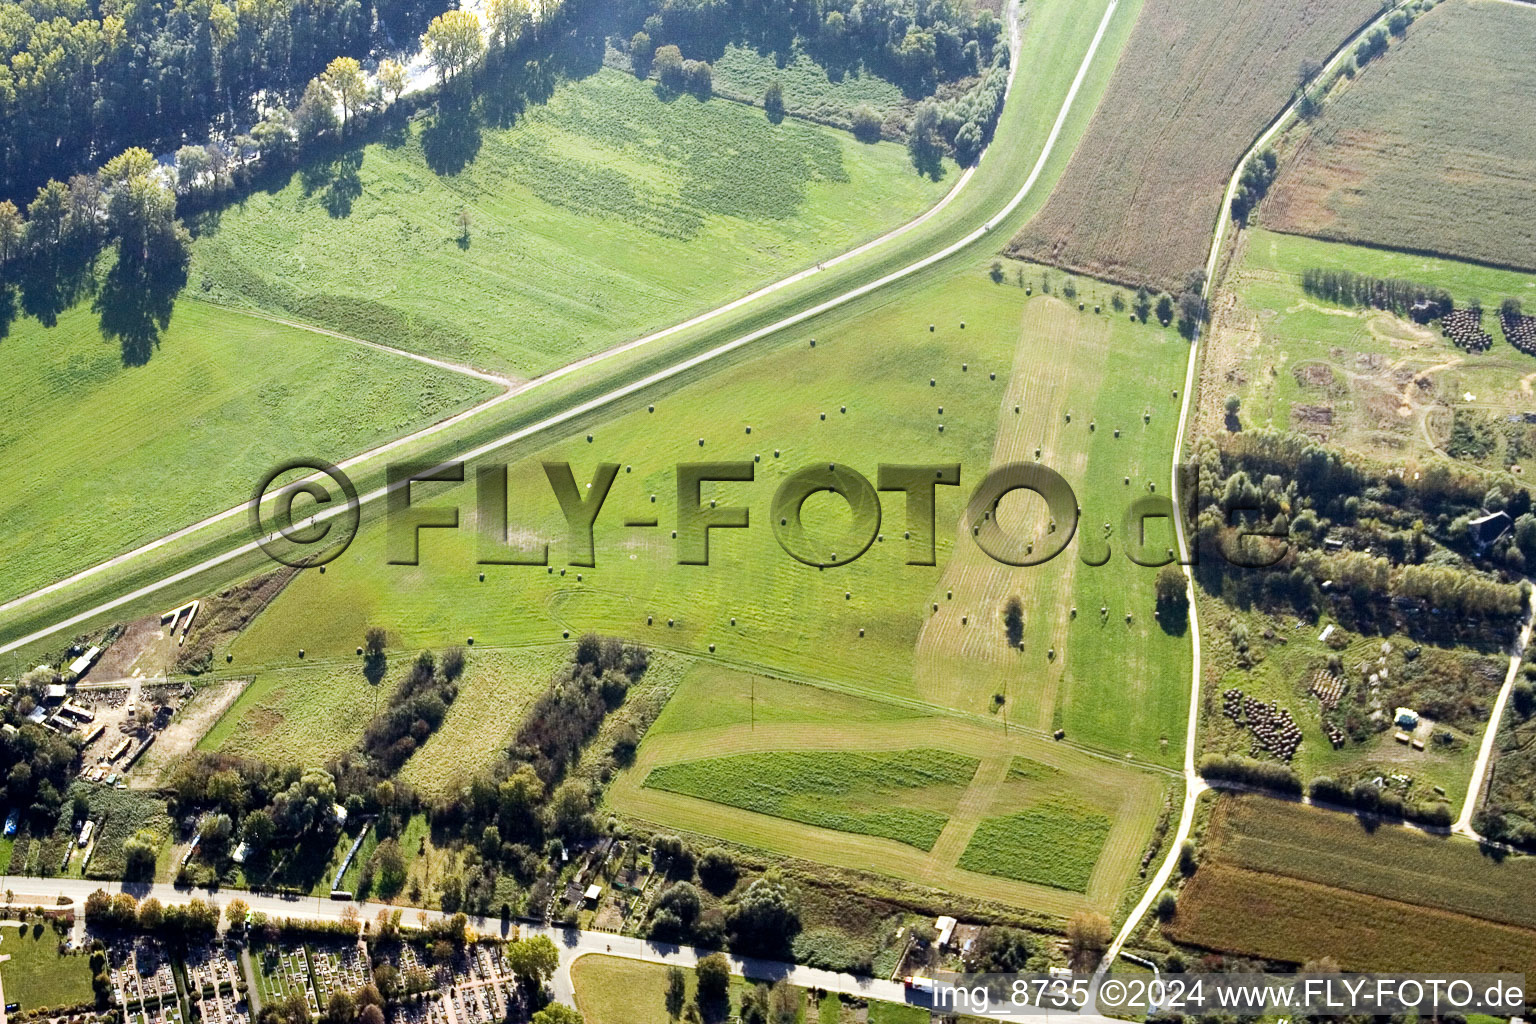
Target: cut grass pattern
column 823, row 788
column 1053, row 843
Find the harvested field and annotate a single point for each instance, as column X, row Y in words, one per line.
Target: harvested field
column 1198, row 82
column 1291, row 882
column 1423, row 151
column 1235, row 910
column 1336, row 849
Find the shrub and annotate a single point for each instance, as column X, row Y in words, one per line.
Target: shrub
column 866, row 124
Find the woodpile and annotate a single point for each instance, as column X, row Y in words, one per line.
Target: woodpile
column 1273, row 728
column 1520, row 331
column 1465, row 329
column 1327, row 688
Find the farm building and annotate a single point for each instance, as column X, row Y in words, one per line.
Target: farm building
column 81, row 665
column 1489, row 528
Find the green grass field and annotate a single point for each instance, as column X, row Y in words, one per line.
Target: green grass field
column 308, row 714
column 1287, row 881
column 789, row 618
column 711, row 695
column 1352, row 377
column 101, row 456
column 602, row 215
column 764, row 760
column 494, row 693
column 1422, row 151
column 808, row 91
column 303, row 715
column 612, row 990
column 36, row 976
column 846, row 791
column 1056, row 843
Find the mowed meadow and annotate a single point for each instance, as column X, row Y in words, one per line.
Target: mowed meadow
column 1284, row 881
column 922, row 733
column 310, row 714
column 1199, row 80
column 1424, row 150
column 884, row 389
column 599, row 216
column 953, row 802
column 101, row 457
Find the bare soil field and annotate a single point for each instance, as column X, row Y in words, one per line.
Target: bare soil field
column 1198, row 82
column 1423, row 151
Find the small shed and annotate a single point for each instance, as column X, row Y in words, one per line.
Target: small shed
column 593, row 894
column 1406, row 718
column 945, row 926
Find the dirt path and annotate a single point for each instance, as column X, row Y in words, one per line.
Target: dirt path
column 189, row 726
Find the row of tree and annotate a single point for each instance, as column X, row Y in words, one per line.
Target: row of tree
column 917, row 44
column 1348, row 288
column 80, row 79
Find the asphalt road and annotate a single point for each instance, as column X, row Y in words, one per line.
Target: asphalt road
column 572, row 943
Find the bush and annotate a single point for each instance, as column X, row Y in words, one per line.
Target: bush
column 1248, row 771
column 773, row 101
column 866, row 124
column 668, row 65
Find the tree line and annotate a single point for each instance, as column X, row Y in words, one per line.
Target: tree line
column 48, row 257
column 80, row 79
column 1348, row 288
column 916, row 44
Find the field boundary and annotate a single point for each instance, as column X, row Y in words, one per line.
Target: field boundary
column 1194, row 785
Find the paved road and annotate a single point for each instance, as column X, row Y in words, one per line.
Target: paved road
column 572, row 943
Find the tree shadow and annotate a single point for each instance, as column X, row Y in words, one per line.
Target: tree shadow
column 136, row 300
column 8, row 308
column 336, row 180
column 929, row 161
column 52, row 284
column 451, row 139
column 1173, row 616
